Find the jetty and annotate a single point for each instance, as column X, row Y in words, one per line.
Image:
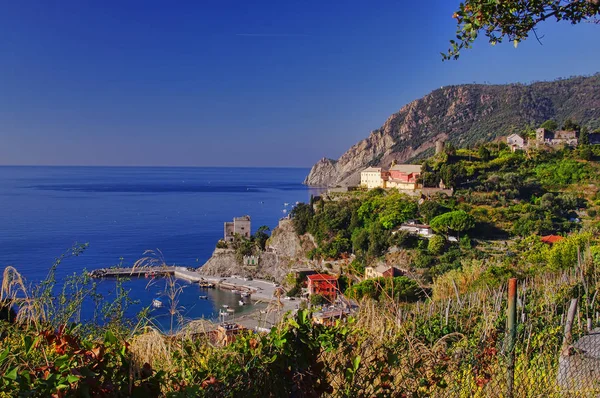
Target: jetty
column 151, row 272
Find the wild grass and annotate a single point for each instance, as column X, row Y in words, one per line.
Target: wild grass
column 451, row 345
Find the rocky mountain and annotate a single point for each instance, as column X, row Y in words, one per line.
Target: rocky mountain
column 463, row 114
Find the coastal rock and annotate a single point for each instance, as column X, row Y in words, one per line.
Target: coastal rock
column 285, row 251
column 462, row 115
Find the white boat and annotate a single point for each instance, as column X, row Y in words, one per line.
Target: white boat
column 245, row 294
column 286, row 204
column 225, row 306
column 234, row 291
column 156, row 303
column 241, row 302
column 203, row 297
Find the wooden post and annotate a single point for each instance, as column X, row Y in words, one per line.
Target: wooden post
column 512, row 334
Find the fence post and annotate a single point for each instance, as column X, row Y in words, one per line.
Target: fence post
column 512, row 334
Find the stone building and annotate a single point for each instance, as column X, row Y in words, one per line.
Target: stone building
column 547, row 137
column 515, row 142
column 240, row 226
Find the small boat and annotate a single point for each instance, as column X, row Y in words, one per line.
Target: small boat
column 156, row 303
column 230, row 310
column 241, row 302
column 225, row 306
column 203, row 297
column 245, row 294
column 235, row 291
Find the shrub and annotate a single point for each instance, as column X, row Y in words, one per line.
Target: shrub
column 436, row 244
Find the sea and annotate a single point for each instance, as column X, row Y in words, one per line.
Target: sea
column 123, row 212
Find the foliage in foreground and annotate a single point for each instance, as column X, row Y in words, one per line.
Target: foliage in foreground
column 444, row 347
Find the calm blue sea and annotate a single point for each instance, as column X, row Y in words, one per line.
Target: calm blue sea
column 123, row 211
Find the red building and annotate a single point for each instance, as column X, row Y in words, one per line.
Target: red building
column 407, row 173
column 325, row 285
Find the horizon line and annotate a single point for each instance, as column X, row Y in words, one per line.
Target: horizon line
column 157, row 166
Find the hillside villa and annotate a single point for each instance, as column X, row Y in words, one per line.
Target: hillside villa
column 399, row 176
column 382, row 270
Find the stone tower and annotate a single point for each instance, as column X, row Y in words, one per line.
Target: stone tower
column 439, row 146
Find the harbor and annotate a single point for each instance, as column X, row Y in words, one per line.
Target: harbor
column 251, row 291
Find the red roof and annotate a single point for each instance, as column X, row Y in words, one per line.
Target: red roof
column 322, row 277
column 551, row 239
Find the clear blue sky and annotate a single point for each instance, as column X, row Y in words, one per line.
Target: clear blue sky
column 237, row 83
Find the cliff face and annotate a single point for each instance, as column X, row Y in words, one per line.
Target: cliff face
column 463, row 115
column 285, row 250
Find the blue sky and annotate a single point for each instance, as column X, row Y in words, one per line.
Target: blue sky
column 232, row 83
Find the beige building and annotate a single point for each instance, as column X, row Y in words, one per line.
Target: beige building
column 372, row 178
column 240, row 226
column 382, row 270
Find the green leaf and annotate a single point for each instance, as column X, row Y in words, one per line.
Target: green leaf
column 11, row 374
column 72, row 378
column 3, row 356
column 356, row 363
column 109, row 337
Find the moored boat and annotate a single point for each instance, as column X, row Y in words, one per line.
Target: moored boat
column 156, row 303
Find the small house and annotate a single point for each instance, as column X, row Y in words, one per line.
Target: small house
column 417, row 229
column 515, row 142
column 382, row 270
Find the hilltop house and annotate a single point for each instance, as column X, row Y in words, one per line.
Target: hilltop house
column 239, row 226
column 547, row 137
column 382, row 270
column 372, row 177
column 325, row 285
column 515, row 142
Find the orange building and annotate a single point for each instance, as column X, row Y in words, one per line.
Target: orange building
column 325, row 285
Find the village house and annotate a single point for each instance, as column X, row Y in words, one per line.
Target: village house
column 515, row 142
column 403, row 176
column 324, row 285
column 547, row 137
column 371, row 178
column 416, row 229
column 240, row 226
column 382, row 270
